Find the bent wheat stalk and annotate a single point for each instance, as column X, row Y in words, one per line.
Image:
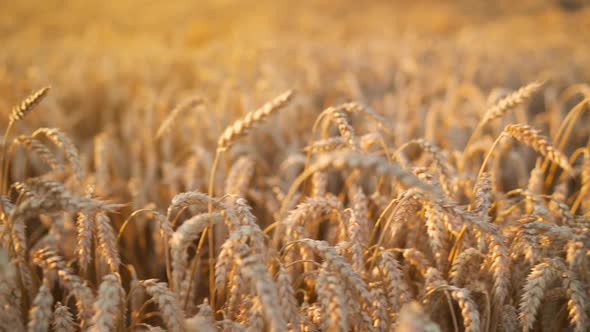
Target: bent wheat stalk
column 531, row 137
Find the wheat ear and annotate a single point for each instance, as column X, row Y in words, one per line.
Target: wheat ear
column 330, row 293
column 167, row 302
column 61, row 140
column 531, row 137
column 40, row 314
column 18, row 113
column 182, row 107
column 504, row 105
column 63, row 321
column 108, row 308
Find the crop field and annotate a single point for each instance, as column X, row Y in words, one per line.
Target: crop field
column 295, row 166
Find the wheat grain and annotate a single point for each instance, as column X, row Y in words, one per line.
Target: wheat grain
column 107, row 241
column 345, row 128
column 357, row 245
column 319, row 182
column 327, row 144
column 84, row 225
column 360, row 206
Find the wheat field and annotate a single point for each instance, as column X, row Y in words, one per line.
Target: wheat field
column 309, row 166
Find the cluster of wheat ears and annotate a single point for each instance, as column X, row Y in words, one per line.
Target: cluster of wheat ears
column 367, row 236
column 362, row 185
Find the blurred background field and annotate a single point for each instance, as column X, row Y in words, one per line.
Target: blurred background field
column 81, row 48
